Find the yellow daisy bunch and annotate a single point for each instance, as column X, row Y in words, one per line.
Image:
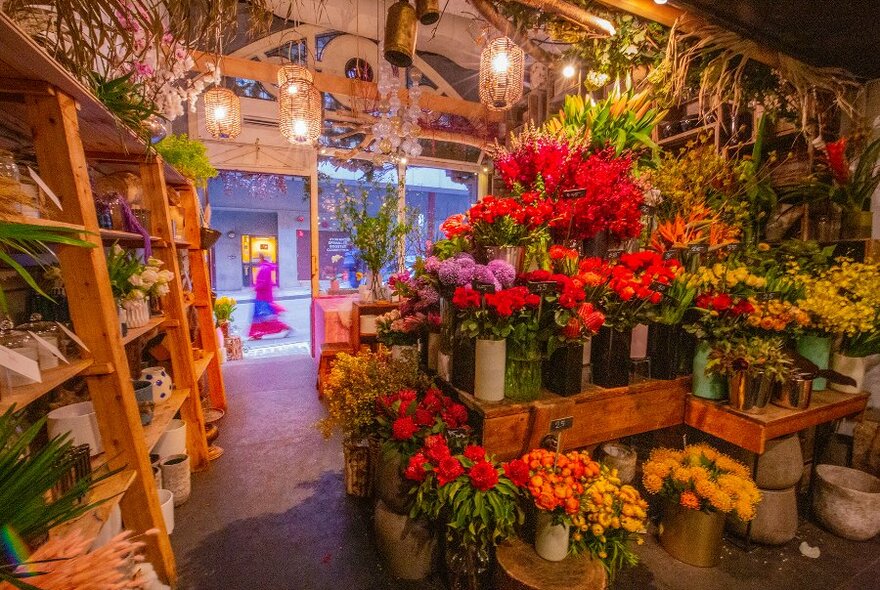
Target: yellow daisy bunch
column 702, row 478
column 724, row 278
column 844, row 300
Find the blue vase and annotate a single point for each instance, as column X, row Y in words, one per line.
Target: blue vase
column 706, row 386
column 816, row 349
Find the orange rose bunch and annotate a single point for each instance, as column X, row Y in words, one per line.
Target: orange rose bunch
column 559, row 488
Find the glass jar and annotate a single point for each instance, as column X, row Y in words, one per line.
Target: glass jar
column 23, row 344
column 54, row 335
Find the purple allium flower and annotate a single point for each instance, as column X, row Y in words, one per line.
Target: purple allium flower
column 482, row 274
column 432, row 264
column 504, row 272
column 454, row 272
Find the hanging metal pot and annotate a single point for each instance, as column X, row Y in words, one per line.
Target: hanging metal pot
column 401, row 27
column 428, row 11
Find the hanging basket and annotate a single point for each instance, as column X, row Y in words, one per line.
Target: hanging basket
column 208, row 237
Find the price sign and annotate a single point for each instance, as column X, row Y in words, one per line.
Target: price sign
column 615, row 254
column 659, row 287
column 484, row 288
column 574, row 193
column 670, row 254
column 765, row 297
column 734, row 247
column 541, row 287
column 698, row 249
column 561, row 424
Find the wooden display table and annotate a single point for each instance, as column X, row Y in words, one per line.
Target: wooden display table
column 752, row 431
column 364, row 315
column 520, row 568
column 510, row 429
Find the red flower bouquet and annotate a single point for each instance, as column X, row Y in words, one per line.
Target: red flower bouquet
column 493, row 316
column 404, row 421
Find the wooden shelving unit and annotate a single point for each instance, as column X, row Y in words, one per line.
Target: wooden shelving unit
column 44, row 108
column 108, row 493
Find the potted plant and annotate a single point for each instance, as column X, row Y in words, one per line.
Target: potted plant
column 753, row 366
column 851, row 187
column 188, row 156
column 503, row 227
column 375, row 230
column 130, row 285
column 400, row 333
column 224, row 307
column 475, row 499
column 700, row 486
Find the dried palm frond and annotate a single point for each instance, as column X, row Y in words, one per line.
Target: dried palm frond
column 726, row 56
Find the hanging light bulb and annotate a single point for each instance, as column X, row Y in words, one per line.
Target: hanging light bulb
column 300, row 109
column 222, row 113
column 502, row 66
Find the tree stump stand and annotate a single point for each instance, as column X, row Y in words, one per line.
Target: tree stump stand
column 521, row 568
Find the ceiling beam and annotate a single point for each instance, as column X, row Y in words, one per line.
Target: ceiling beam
column 573, row 14
column 488, row 11
column 267, row 72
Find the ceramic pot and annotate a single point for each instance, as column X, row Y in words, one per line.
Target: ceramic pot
column 391, row 487
column 621, row 457
column 851, row 366
column 408, row 546
column 166, row 503
column 157, row 476
column 162, row 385
column 358, row 473
column 433, row 350
column 173, row 440
column 847, row 502
column 489, row 370
column 522, row 373
column 80, row 421
column 816, row 349
column 512, row 255
column 609, row 357
column 708, row 386
column 551, row 540
column 564, row 370
column 137, row 313
column 176, row 477
column 781, row 465
column 776, row 518
column 692, row 536
column 749, row 392
column 143, row 393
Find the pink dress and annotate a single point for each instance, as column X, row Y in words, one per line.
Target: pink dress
column 265, row 320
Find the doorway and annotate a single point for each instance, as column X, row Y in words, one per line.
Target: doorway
column 252, row 247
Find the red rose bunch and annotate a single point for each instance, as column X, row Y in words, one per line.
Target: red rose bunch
column 509, row 221
column 455, row 225
column 509, row 301
column 404, row 421
column 722, row 303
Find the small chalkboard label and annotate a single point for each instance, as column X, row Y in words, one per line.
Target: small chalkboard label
column 659, row 287
column 670, row 254
column 734, row 247
column 767, row 296
column 541, row 287
column 615, row 254
column 574, row 193
column 698, row 249
column 561, row 424
column 484, row 288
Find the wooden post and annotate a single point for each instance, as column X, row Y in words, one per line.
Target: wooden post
column 314, row 244
column 61, row 158
column 156, row 199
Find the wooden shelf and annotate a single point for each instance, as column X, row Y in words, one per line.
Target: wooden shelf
column 200, row 365
column 163, row 415
column 125, row 238
column 52, row 378
column 40, row 222
column 135, row 333
column 752, row 431
column 110, row 491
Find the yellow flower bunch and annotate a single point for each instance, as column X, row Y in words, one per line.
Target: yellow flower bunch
column 844, row 300
column 350, row 392
column 723, row 278
column 701, row 478
column 224, row 307
column 776, row 315
column 611, row 516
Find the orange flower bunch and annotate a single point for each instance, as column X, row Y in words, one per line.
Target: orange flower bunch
column 701, row 226
column 559, row 488
column 776, row 315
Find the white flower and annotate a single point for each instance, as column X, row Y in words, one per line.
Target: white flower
column 136, row 280
column 149, row 276
column 165, row 276
column 162, row 290
column 154, row 262
column 117, row 249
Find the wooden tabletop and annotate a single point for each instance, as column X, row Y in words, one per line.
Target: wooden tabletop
column 752, row 431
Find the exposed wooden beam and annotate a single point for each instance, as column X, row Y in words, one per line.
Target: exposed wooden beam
column 573, row 14
column 488, row 11
column 268, row 72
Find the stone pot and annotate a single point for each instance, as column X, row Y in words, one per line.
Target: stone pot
column 692, row 536
column 489, row 368
column 776, row 518
column 551, row 540
column 408, row 546
column 391, row 486
column 847, row 502
column 621, row 457
column 176, row 477
column 781, row 465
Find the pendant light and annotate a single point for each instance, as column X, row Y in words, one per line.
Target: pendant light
column 428, row 11
column 222, row 113
column 300, row 107
column 502, row 66
column 401, row 27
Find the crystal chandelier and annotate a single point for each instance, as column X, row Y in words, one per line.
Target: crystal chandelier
column 300, row 109
column 222, row 113
column 396, row 132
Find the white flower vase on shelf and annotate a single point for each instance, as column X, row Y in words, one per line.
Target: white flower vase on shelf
column 162, row 386
column 137, row 313
column 551, row 540
column 855, row 367
column 489, row 367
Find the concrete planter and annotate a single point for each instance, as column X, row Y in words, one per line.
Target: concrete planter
column 776, row 519
column 391, row 487
column 408, row 546
column 621, row 457
column 176, row 477
column 847, row 502
column 782, row 464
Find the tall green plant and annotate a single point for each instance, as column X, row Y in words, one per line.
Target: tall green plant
column 33, row 242
column 27, row 476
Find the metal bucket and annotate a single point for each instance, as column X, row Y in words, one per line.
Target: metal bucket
column 794, row 393
column 749, row 392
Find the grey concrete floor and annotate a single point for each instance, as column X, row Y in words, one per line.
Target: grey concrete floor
column 272, row 514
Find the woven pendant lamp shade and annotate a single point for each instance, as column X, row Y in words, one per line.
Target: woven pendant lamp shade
column 502, row 66
column 301, row 114
column 222, row 113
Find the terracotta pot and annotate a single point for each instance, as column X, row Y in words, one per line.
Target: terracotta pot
column 847, row 502
column 408, row 546
column 391, row 487
column 776, row 518
column 692, row 536
column 551, row 540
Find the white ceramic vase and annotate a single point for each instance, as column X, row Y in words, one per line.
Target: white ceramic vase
column 162, row 386
column 166, row 503
column 551, row 540
column 852, row 366
column 176, row 477
column 137, row 313
column 489, row 367
column 172, row 441
column 80, row 421
column 444, row 364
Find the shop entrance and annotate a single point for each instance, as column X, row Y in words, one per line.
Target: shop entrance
column 251, row 249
